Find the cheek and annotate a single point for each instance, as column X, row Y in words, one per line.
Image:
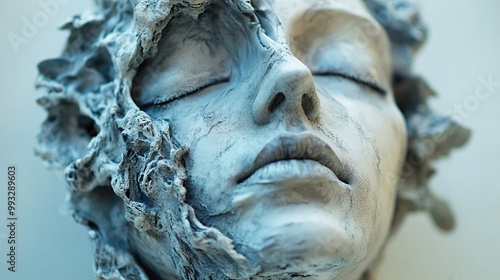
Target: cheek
column 384, row 135
column 370, row 136
column 212, row 131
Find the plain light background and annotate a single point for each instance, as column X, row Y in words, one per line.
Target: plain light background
column 463, row 48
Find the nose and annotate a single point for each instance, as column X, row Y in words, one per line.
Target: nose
column 287, row 91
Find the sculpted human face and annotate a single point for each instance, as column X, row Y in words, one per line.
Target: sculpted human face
column 294, row 138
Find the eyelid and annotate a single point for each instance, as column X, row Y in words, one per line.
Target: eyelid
column 369, row 83
column 183, row 93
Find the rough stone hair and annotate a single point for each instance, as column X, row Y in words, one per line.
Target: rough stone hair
column 118, row 163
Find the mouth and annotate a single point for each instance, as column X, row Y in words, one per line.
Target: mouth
column 307, row 149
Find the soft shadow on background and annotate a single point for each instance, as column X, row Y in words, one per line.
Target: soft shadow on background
column 462, row 52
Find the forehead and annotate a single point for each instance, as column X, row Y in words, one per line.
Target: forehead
column 297, row 15
column 287, row 10
column 296, row 24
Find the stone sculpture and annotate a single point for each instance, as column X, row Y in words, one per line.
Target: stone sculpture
column 232, row 139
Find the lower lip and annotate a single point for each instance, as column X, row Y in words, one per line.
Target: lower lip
column 292, row 170
column 288, row 182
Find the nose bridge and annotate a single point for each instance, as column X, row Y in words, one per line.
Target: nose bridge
column 287, row 88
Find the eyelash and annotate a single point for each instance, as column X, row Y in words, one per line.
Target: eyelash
column 177, row 96
column 371, row 84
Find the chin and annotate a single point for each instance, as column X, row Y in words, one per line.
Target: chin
column 302, row 241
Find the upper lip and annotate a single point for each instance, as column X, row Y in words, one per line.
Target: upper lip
column 300, row 147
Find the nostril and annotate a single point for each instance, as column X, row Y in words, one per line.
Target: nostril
column 276, row 102
column 307, row 104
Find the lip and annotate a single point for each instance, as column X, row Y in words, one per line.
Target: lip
column 292, row 147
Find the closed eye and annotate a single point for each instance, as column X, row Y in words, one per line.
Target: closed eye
column 185, row 92
column 371, row 84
